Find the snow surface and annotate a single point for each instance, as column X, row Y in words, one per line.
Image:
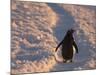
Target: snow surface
column 36, row 30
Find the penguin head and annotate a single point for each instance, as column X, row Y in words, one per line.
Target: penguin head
column 70, row 31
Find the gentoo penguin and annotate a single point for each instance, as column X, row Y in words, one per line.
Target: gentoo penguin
column 67, row 46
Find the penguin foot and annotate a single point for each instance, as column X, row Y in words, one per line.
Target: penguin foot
column 67, row 61
column 64, row 61
column 71, row 61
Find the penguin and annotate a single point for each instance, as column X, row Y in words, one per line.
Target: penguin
column 67, row 46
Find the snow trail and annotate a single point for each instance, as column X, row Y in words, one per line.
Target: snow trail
column 65, row 22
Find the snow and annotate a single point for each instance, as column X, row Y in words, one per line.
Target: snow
column 36, row 30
